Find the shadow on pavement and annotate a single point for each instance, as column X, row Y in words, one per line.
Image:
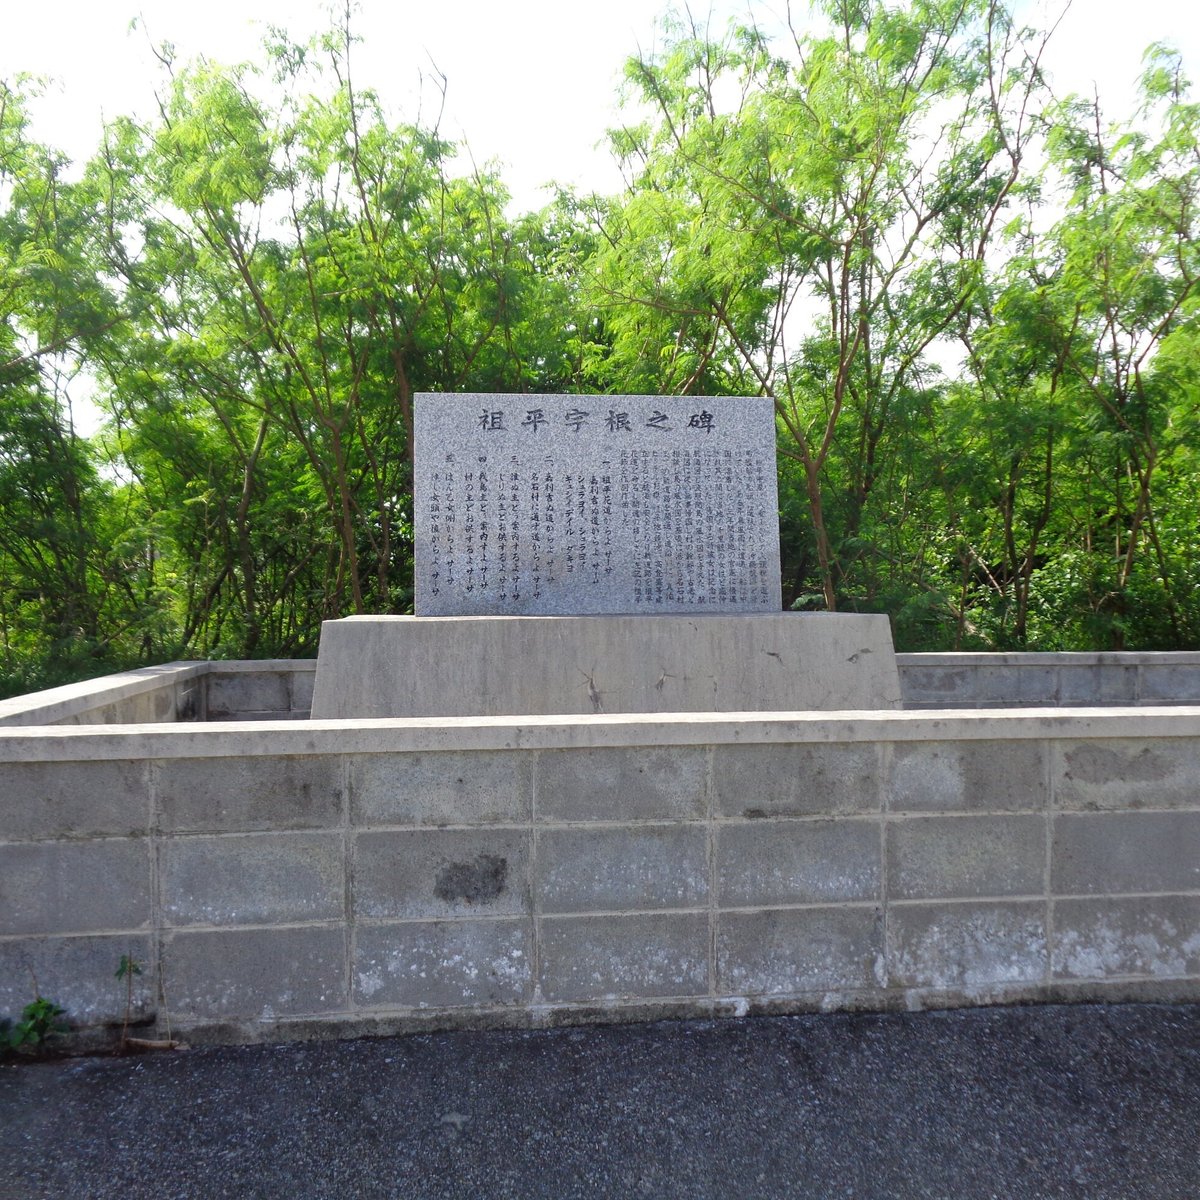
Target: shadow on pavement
column 1088, row 1101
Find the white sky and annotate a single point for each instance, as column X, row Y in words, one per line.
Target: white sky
column 532, row 83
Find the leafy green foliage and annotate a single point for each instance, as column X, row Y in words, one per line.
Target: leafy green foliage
column 39, row 1022
column 974, row 306
column 128, row 967
column 127, row 970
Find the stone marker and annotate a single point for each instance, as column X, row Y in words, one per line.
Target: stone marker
column 574, row 505
column 598, row 554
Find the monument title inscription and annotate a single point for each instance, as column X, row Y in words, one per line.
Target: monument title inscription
column 575, row 505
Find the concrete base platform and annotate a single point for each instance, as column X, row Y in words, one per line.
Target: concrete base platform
column 493, row 666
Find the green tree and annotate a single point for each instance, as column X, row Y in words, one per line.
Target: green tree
column 813, row 236
column 61, row 605
column 1084, row 365
column 302, row 267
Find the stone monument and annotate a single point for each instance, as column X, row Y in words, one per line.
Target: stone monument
column 573, row 505
column 600, row 554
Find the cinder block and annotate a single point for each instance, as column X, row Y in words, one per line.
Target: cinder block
column 762, row 864
column 1161, row 683
column 1128, row 773
column 929, row 857
column 936, row 686
column 622, row 784
column 1125, row 852
column 236, row 795
column 785, row 951
column 120, row 712
column 796, row 780
column 624, row 957
column 967, row 777
column 1097, row 684
column 74, row 799
column 1146, row 936
column 456, row 787
column 254, row 974
column 443, row 964
column 431, row 873
column 1009, row 683
column 144, row 708
column 189, row 701
column 150, row 707
column 247, row 691
column 646, row 866
column 282, row 715
column 75, row 887
column 79, row 975
column 253, row 879
column 966, row 945
column 301, row 690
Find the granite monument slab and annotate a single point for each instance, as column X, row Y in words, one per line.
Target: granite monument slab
column 588, row 505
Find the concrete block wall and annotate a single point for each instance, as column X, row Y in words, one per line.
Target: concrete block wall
column 259, row 690
column 954, row 680
column 284, row 879
column 150, row 695
column 282, row 689
column 242, row 690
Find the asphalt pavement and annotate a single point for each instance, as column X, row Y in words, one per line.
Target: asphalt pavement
column 1093, row 1102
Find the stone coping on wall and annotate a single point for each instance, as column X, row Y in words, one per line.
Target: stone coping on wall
column 225, row 739
column 114, row 699
column 73, row 699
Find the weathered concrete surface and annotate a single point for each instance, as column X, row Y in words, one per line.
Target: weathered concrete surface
column 285, row 879
column 281, row 689
column 1092, row 1103
column 242, row 690
column 239, row 740
column 288, row 878
column 559, row 505
column 259, row 690
column 483, row 666
column 1105, row 677
column 172, row 692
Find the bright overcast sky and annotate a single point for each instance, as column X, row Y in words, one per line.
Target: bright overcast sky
column 532, row 83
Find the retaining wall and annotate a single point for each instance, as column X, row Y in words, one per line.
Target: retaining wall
column 296, row 878
column 243, row 690
column 282, row 689
column 1049, row 680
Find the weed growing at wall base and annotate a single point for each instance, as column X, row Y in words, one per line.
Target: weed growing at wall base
column 39, row 1022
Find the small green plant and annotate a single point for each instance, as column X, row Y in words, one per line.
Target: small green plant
column 39, row 1022
column 127, row 968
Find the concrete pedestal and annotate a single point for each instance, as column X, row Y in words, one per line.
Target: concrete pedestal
column 494, row 666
